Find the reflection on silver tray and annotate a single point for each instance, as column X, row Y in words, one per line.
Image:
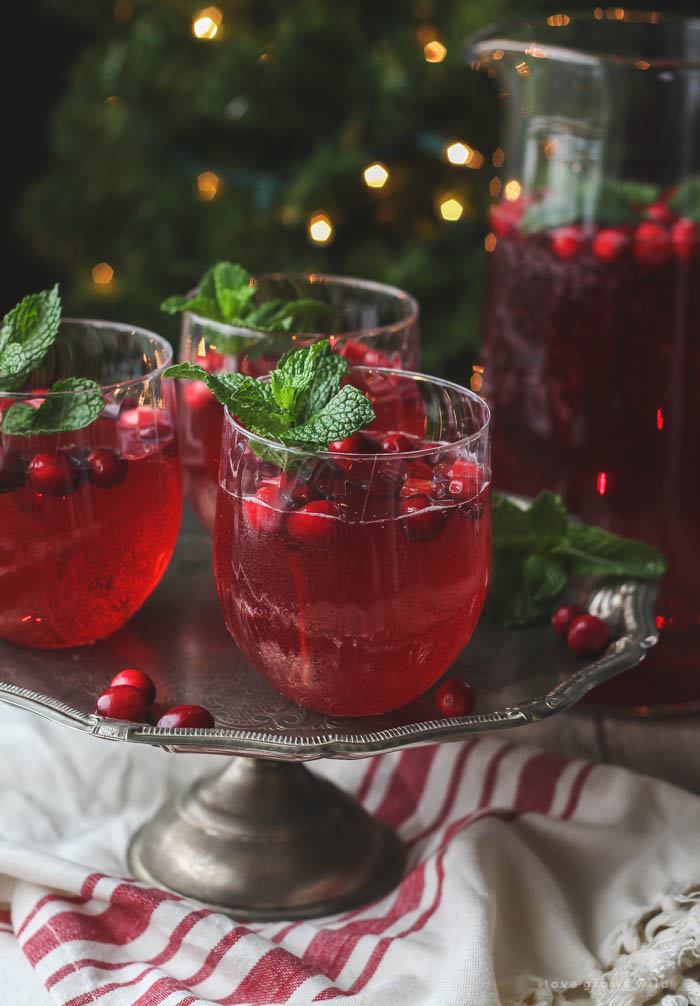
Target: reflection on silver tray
column 179, row 639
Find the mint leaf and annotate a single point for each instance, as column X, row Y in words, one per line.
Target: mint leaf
column 595, row 552
column 345, row 414
column 608, row 201
column 233, row 290
column 685, row 201
column 536, row 551
column 291, row 380
column 246, row 398
column 27, row 332
column 74, row 403
column 330, row 369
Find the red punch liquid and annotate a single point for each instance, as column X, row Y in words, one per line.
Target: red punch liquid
column 592, row 368
column 352, row 586
column 85, row 538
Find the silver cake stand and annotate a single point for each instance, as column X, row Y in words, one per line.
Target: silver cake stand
column 265, row 838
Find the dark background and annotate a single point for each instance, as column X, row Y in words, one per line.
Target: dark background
column 329, row 88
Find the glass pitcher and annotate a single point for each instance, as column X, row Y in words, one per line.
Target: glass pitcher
column 591, row 332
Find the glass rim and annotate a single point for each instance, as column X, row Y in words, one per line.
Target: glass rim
column 418, row 453
column 130, row 381
column 499, row 36
column 328, row 278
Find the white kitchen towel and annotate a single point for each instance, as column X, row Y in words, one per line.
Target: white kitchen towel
column 531, row 879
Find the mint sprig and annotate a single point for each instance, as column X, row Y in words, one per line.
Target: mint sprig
column 537, row 550
column 301, row 406
column 225, row 294
column 27, row 332
column 610, row 202
column 72, row 404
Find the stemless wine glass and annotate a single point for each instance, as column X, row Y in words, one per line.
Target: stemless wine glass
column 352, row 580
column 89, row 518
column 369, row 323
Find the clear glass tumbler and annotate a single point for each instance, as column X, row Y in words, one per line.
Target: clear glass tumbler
column 369, row 323
column 352, row 580
column 89, row 518
column 591, row 330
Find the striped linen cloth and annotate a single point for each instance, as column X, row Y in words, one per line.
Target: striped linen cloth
column 533, row 880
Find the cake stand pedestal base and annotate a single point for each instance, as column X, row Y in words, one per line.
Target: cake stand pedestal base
column 268, row 840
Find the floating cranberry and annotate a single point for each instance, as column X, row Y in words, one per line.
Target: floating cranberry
column 106, row 467
column 135, row 679
column 353, row 351
column 685, row 239
column 264, row 511
column 51, row 474
column 609, row 244
column 659, row 213
column 13, row 472
column 297, row 488
column 587, row 634
column 420, row 470
column 651, row 244
column 182, row 717
column 354, row 444
column 564, row 616
column 212, row 361
column 313, row 523
column 567, row 242
column 416, row 487
column 198, row 397
column 422, row 520
column 123, row 702
column 455, row 698
column 396, row 443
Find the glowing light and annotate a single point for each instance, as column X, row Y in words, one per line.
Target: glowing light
column 598, row 14
column 497, row 158
column 490, row 242
column 495, row 187
column 642, row 64
column 558, row 20
column 498, row 54
column 523, row 70
column 601, row 483
column 320, row 228
column 102, row 274
column 434, row 52
column 208, row 185
column 457, row 153
column 451, row 208
column 659, row 419
column 660, row 622
column 512, row 190
column 206, row 23
column 375, row 176
column 550, row 148
column 476, row 382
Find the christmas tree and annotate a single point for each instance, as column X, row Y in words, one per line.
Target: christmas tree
column 350, row 138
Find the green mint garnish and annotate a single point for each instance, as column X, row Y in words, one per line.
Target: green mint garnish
column 303, row 404
column 74, row 402
column 225, row 294
column 685, row 201
column 537, row 550
column 27, row 332
column 607, row 201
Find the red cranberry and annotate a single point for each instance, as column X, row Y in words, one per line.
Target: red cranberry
column 313, row 523
column 354, row 444
column 567, row 241
column 186, row 716
column 353, row 351
column 422, row 520
column 397, row 443
column 587, row 634
column 416, row 487
column 197, row 397
column 135, row 679
column 659, row 213
column 651, row 244
column 455, row 698
column 106, row 467
column 51, row 474
column 377, row 358
column 263, row 512
column 212, row 361
column 609, row 244
column 123, row 702
column 420, row 470
column 564, row 616
column 685, row 239
column 13, row 472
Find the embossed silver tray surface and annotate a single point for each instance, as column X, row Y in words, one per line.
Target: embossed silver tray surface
column 180, row 640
